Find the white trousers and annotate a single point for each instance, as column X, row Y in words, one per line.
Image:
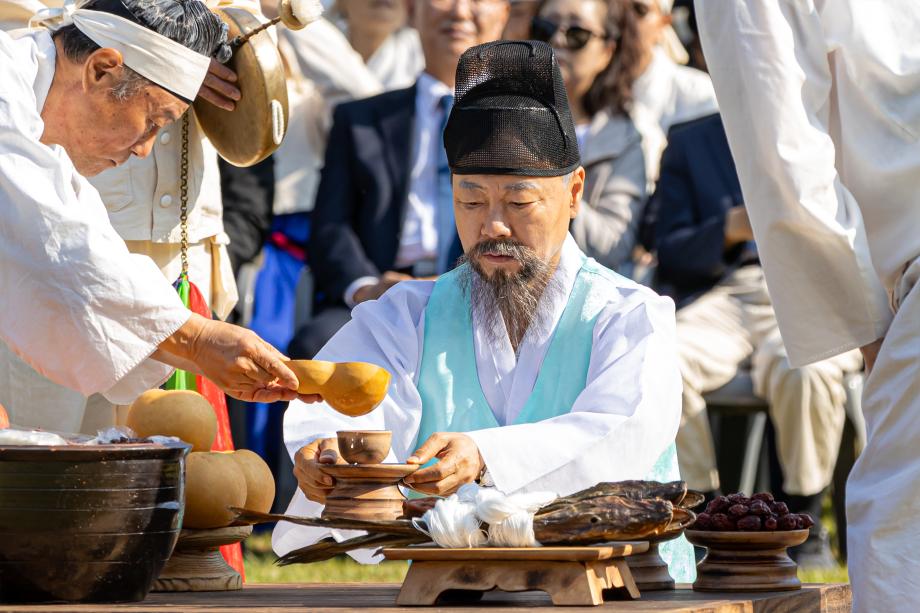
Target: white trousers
column 883, row 491
column 722, row 329
column 35, row 401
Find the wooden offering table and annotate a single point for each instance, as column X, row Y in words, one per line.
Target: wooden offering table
column 333, row 598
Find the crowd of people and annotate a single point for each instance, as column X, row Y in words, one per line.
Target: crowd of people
column 393, row 183
column 358, row 198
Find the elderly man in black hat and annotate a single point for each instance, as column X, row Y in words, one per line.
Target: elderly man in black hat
column 529, row 367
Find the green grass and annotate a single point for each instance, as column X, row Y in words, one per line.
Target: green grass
column 261, row 568
column 837, row 575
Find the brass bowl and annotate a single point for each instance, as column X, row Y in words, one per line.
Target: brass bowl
column 364, row 446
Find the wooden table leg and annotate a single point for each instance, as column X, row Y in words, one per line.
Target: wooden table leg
column 567, row 583
column 620, row 582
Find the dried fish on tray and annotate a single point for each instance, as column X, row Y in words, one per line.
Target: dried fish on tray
column 626, row 510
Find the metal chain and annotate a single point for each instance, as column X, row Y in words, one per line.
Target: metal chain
column 238, row 41
column 183, row 195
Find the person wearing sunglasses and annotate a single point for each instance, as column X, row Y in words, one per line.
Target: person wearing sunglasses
column 596, row 43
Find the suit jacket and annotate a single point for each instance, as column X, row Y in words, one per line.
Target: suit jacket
column 247, row 195
column 697, row 186
column 363, row 190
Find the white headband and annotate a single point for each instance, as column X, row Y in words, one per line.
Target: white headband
column 163, row 61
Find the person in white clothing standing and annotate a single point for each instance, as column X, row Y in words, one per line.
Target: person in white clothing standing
column 143, row 198
column 821, row 103
column 78, row 307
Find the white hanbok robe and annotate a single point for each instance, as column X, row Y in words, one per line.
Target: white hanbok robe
column 618, row 427
column 821, row 104
column 75, row 304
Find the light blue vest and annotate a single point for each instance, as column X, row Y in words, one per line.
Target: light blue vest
column 452, row 398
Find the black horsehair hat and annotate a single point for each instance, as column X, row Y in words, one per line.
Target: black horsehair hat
column 511, row 115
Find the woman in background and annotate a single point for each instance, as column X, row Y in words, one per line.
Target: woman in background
column 665, row 93
column 598, row 48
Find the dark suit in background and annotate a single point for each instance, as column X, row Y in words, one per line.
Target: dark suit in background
column 699, row 185
column 361, row 205
column 247, row 194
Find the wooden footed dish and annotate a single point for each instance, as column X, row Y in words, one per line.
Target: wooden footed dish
column 649, row 570
column 746, row 561
column 366, row 491
column 196, row 564
column 351, row 388
column 574, row 576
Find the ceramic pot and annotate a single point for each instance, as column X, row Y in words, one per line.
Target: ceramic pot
column 87, row 523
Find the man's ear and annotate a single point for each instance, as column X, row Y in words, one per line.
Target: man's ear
column 102, row 69
column 577, row 190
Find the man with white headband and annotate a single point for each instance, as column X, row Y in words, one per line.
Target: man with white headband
column 145, row 199
column 77, row 305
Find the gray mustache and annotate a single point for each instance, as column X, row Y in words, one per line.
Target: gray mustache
column 507, row 248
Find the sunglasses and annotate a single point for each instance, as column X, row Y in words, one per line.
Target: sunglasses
column 576, row 37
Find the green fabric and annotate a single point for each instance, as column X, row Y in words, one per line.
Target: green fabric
column 182, row 379
column 452, row 398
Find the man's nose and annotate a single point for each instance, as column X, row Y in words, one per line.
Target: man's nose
column 463, row 9
column 495, row 227
column 143, row 148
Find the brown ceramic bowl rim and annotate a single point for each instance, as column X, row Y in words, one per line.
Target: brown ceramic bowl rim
column 93, row 453
column 776, row 538
column 371, row 471
column 354, row 432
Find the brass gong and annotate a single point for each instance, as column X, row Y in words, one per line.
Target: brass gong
column 254, row 129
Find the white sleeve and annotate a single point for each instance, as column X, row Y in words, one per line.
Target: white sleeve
column 76, row 305
column 387, row 332
column 769, row 64
column 620, row 424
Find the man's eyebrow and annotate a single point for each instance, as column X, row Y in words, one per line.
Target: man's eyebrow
column 467, row 184
column 168, row 113
column 521, row 186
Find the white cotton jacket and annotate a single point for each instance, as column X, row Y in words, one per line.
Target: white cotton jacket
column 322, row 70
column 74, row 303
column 142, row 195
column 821, row 104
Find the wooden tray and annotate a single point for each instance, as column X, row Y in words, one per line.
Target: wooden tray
column 583, row 576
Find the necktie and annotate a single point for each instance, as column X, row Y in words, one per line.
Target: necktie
column 445, row 203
